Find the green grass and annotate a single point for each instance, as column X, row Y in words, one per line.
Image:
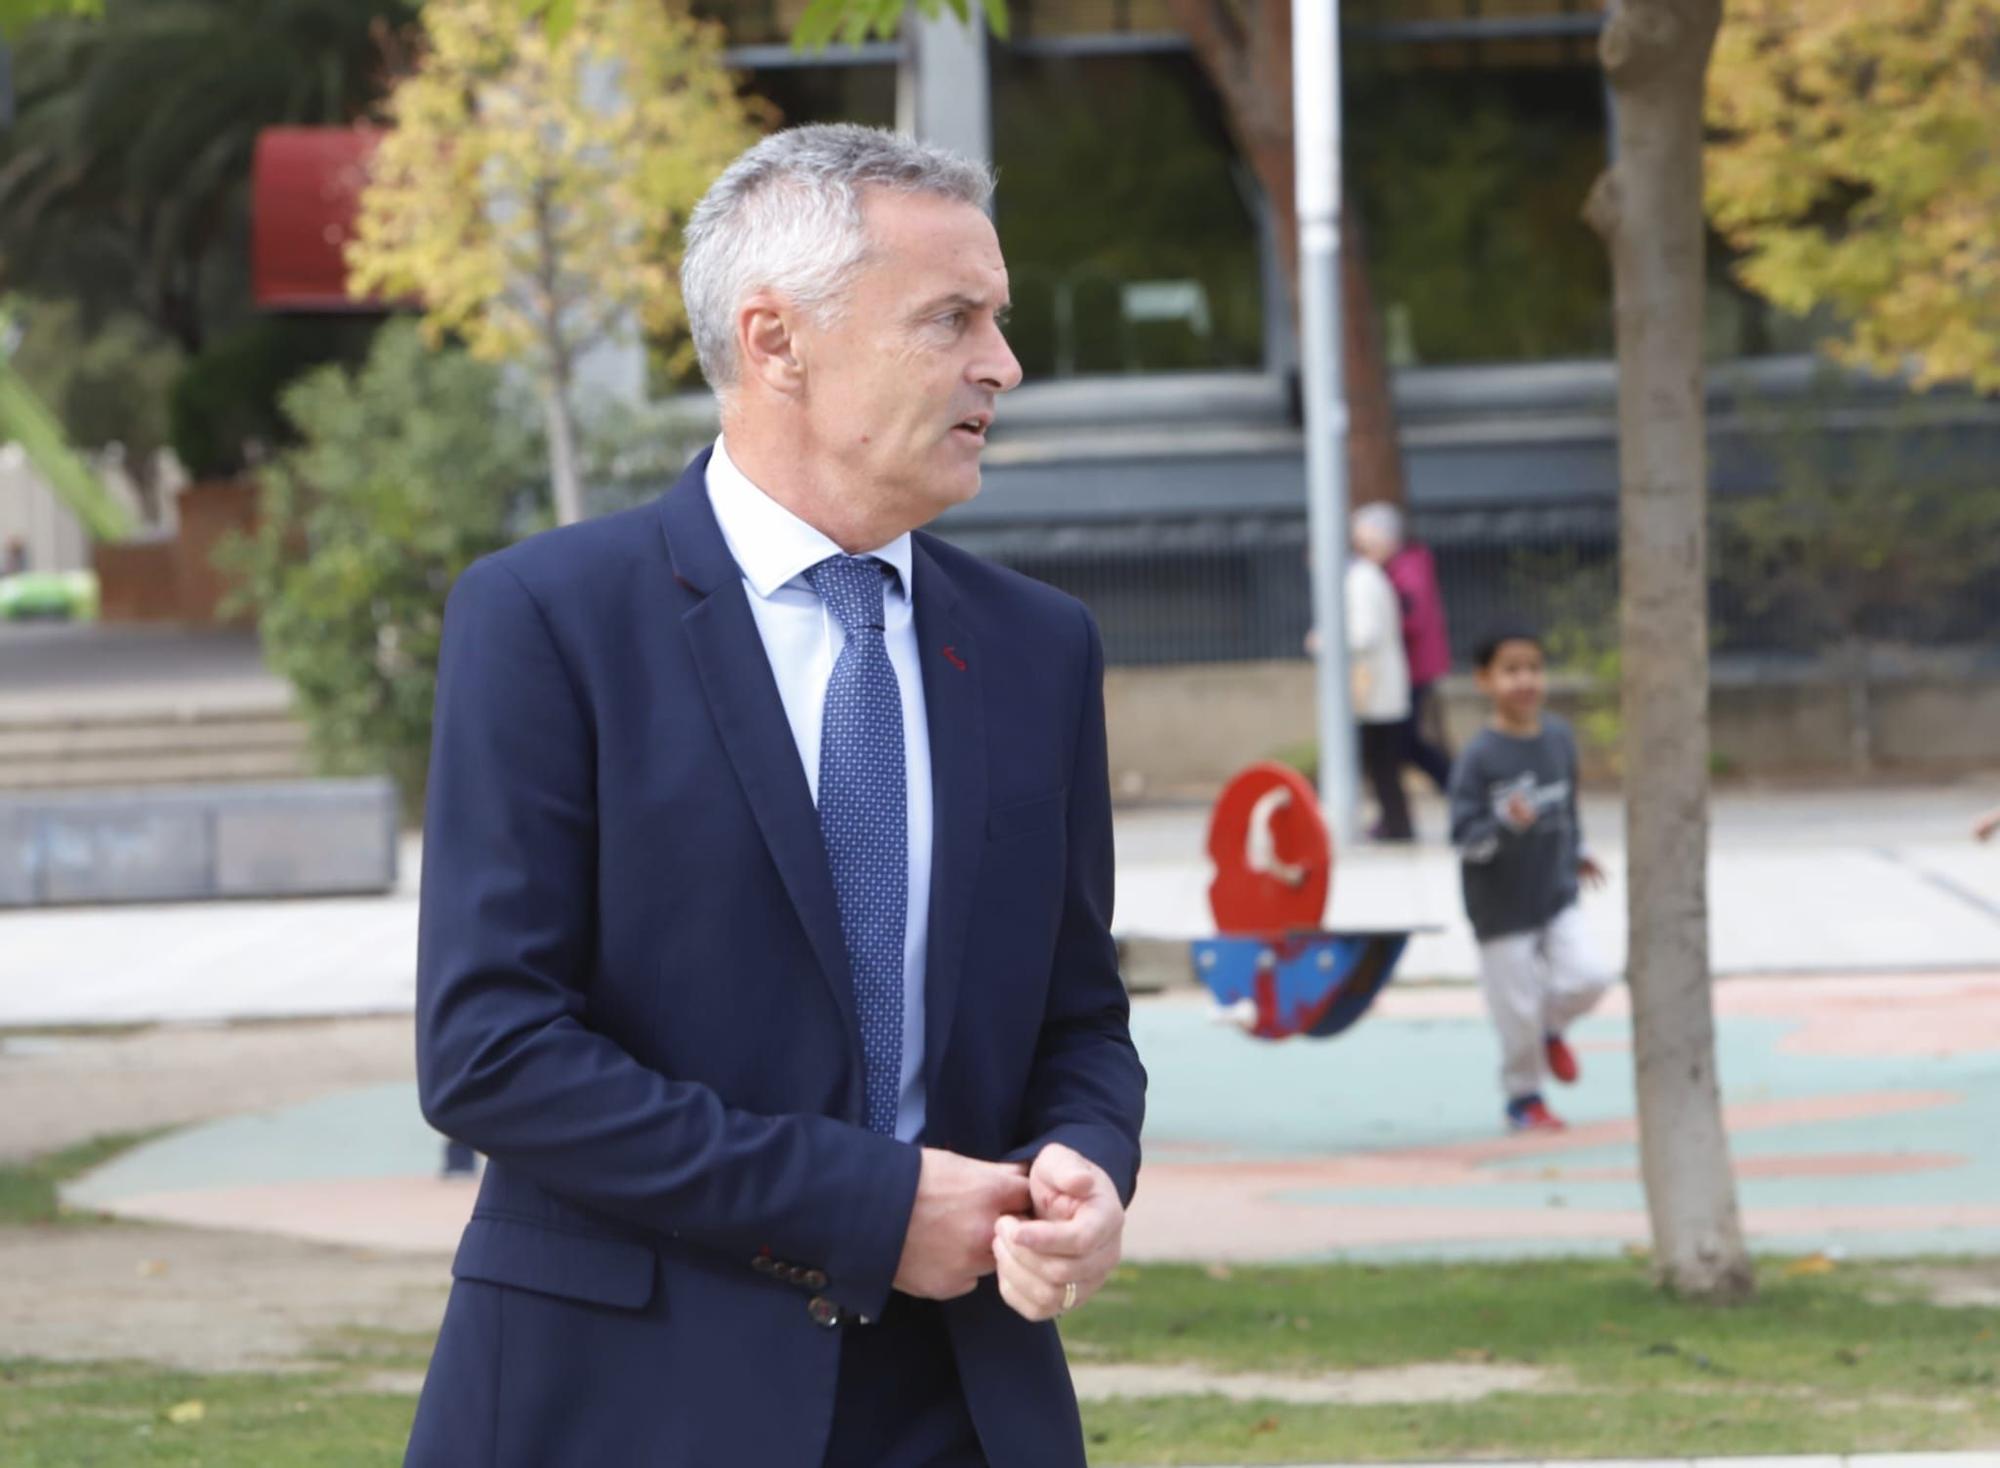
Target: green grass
column 1213, row 1430
column 374, row 1348
column 1842, row 1361
column 1601, row 1318
column 1848, row 1360
column 114, row 1415
column 28, row 1189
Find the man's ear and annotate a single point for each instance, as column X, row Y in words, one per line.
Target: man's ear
column 767, row 343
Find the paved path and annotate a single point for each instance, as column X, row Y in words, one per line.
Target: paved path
column 1860, row 1110
column 1880, row 880
column 315, row 957
column 91, row 668
column 1799, row 882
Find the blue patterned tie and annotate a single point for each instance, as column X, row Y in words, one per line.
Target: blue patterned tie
column 863, row 817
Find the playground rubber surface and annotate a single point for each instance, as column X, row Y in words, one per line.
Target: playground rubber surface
column 1860, row 1112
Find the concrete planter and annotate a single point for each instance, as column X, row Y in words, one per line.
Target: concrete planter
column 186, row 843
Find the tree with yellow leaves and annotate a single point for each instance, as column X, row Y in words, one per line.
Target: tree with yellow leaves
column 535, row 181
column 1853, row 164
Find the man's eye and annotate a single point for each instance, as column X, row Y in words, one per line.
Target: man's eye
column 953, row 319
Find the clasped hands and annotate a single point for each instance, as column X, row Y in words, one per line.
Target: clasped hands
column 1040, row 1227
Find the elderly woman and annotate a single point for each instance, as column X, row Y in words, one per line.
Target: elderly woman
column 1381, row 690
column 1378, row 535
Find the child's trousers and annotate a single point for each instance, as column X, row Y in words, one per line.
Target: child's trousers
column 1537, row 984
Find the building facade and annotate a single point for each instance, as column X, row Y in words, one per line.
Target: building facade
column 1152, row 462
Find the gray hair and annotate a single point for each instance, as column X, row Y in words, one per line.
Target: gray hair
column 1381, row 522
column 786, row 217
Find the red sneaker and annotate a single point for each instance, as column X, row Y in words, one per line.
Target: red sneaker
column 1532, row 1116
column 1562, row 1060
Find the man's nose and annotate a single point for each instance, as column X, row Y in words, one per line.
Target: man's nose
column 999, row 370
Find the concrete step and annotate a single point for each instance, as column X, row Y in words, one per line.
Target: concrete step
column 138, row 740
column 24, row 709
column 30, row 743
column 133, row 768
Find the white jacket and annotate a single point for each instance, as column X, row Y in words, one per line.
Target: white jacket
column 1375, row 644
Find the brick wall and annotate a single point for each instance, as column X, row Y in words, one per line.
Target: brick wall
column 175, row 579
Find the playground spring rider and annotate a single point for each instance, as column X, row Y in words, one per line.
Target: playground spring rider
column 1271, row 967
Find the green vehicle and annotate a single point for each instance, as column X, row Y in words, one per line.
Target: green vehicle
column 65, row 596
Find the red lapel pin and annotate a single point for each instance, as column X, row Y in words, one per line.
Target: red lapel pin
column 952, row 657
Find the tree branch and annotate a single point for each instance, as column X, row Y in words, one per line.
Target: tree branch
column 1639, row 37
column 1217, row 19
column 1604, row 208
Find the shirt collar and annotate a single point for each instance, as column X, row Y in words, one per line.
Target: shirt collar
column 773, row 546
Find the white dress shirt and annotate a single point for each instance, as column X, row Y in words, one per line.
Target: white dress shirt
column 775, row 548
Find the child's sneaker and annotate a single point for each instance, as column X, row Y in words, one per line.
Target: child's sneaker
column 1528, row 1114
column 1561, row 1059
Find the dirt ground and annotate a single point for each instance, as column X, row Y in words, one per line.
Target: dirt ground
column 186, row 1297
column 229, row 1302
column 200, row 1300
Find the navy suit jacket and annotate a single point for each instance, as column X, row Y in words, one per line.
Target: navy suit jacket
column 633, row 996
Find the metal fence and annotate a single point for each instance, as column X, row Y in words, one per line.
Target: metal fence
column 1232, row 589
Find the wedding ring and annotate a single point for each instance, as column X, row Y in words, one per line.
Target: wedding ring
column 1069, row 1298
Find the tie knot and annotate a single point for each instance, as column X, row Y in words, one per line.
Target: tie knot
column 853, row 588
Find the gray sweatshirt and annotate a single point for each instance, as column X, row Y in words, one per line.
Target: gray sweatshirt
column 1516, row 878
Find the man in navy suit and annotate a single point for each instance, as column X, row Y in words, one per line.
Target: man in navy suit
column 767, row 882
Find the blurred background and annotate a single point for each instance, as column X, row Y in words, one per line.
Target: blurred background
column 181, row 183
column 280, row 354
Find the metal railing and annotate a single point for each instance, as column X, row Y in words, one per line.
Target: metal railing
column 1234, row 589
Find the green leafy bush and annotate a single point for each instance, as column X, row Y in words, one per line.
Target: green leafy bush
column 407, row 471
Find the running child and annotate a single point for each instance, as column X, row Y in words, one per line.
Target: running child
column 1520, row 845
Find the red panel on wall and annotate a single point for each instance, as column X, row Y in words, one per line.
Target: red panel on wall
column 305, row 186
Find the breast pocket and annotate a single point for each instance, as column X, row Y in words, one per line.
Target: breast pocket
column 1024, row 817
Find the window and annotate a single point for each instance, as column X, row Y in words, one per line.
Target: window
column 1033, row 19
column 1470, row 182
column 1129, row 226
column 805, row 94
column 1484, row 33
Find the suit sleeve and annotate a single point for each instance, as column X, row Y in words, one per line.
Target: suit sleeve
column 1088, row 1089
column 506, row 1060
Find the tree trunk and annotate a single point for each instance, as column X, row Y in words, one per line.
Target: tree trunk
column 1374, row 455
column 1245, row 47
column 1648, row 207
column 564, row 475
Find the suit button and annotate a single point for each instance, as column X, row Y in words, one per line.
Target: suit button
column 813, row 1279
column 823, row 1312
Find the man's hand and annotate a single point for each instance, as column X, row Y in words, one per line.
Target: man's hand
column 1519, row 811
column 1076, row 1236
column 1986, row 825
column 949, row 1246
column 1590, row 873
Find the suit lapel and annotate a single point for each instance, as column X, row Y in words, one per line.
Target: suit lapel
column 743, row 699
column 955, row 712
